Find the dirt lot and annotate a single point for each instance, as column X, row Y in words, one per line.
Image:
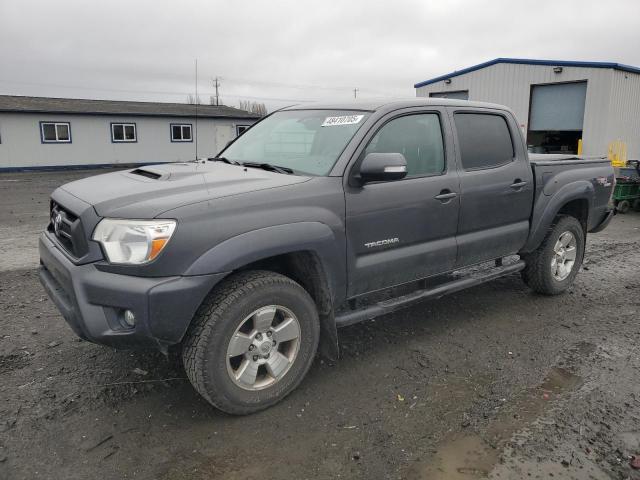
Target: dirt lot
column 495, row 381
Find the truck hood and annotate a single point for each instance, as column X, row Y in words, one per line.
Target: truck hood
column 148, row 191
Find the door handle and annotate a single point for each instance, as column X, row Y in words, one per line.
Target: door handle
column 518, row 184
column 446, row 195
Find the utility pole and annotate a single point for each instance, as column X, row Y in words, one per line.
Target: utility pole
column 195, row 140
column 355, row 93
column 216, row 84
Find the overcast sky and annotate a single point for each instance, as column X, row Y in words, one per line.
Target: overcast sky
column 283, row 52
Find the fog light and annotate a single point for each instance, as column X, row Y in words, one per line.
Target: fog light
column 129, row 318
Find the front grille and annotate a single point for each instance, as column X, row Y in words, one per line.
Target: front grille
column 67, row 228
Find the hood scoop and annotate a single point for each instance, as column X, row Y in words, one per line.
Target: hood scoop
column 147, row 172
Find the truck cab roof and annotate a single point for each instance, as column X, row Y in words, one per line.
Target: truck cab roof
column 389, row 104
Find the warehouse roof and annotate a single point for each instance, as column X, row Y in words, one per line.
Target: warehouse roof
column 527, row 61
column 11, row 103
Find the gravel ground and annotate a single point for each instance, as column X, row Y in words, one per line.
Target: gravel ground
column 492, row 382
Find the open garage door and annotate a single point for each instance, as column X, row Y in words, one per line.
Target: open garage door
column 556, row 116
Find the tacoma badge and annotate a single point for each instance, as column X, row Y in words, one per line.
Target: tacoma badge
column 381, row 243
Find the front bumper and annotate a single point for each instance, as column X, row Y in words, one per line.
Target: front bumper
column 93, row 302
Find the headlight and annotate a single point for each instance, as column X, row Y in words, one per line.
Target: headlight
column 133, row 241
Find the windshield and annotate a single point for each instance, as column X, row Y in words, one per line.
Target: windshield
column 306, row 141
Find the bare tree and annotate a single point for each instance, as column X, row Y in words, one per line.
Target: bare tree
column 191, row 100
column 253, row 107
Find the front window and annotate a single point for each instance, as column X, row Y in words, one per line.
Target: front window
column 306, row 141
column 418, row 138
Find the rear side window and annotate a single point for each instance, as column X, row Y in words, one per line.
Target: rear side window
column 418, row 138
column 485, row 140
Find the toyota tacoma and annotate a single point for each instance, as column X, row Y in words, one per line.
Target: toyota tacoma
column 316, row 217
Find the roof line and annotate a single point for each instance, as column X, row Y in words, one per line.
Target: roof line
column 86, row 106
column 105, row 100
column 528, row 61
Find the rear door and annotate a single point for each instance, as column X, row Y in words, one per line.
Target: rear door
column 403, row 230
column 496, row 183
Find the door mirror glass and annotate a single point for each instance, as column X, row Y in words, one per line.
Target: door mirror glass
column 381, row 167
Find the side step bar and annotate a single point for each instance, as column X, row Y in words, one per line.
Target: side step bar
column 388, row 306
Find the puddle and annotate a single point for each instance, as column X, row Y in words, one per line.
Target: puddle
column 472, row 456
column 461, row 459
column 559, row 380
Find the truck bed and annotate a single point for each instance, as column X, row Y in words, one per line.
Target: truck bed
column 563, row 178
column 557, row 159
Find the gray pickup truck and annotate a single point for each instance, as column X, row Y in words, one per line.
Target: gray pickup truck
column 316, row 217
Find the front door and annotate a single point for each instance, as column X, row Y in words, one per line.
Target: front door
column 403, row 230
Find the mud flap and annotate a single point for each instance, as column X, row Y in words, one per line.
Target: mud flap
column 329, row 347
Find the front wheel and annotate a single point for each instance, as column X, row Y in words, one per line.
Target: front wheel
column 553, row 266
column 251, row 342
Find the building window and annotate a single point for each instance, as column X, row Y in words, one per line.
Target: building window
column 123, row 132
column 55, row 132
column 240, row 129
column 181, row 132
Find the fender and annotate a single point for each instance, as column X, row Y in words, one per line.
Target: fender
column 547, row 207
column 262, row 243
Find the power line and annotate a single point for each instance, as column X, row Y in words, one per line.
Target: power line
column 300, row 86
column 153, row 92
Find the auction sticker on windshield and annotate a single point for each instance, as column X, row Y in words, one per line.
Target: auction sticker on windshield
column 343, row 120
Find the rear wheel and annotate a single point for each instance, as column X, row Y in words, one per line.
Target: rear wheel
column 251, row 342
column 551, row 268
column 636, row 204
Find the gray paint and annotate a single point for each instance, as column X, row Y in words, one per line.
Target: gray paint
column 229, row 216
column 611, row 106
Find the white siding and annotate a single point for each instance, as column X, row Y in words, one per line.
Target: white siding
column 510, row 85
column 91, row 140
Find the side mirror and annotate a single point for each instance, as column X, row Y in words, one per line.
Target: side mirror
column 380, row 167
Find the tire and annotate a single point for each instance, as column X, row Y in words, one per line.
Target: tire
column 623, row 206
column 636, row 204
column 539, row 272
column 226, row 315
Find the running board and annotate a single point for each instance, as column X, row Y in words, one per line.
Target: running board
column 388, row 306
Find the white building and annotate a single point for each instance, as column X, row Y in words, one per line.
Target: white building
column 38, row 132
column 557, row 103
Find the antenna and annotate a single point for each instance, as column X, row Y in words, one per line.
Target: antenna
column 196, row 122
column 355, row 92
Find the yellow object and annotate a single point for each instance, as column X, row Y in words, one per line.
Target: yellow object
column 618, row 153
column 579, row 146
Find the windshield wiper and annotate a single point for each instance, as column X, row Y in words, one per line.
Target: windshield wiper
column 268, row 166
column 223, row 159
